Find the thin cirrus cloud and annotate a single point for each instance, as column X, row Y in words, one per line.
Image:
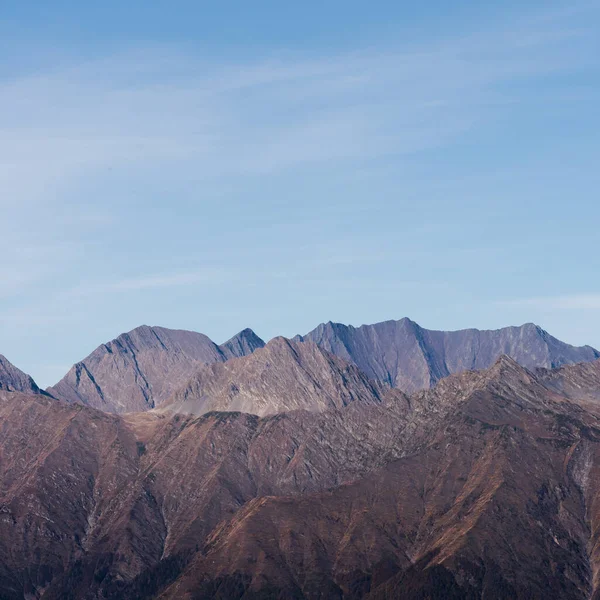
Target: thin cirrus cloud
column 159, row 106
column 87, row 147
column 566, row 302
column 162, row 114
column 63, row 306
column 147, row 282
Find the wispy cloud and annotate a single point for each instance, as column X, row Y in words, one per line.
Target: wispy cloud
column 159, row 106
column 29, row 262
column 211, row 276
column 568, row 302
column 82, row 144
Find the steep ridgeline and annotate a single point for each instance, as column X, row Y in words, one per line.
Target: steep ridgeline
column 242, row 344
column 280, row 377
column 404, row 355
column 140, row 369
column 485, row 486
column 14, row 380
column 578, row 382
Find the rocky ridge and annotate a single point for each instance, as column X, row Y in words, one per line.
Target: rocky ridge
column 407, row 356
column 140, row 369
column 241, row 344
column 14, row 380
column 281, row 377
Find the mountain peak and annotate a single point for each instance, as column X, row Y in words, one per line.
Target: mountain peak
column 137, row 370
column 505, row 362
column 141, row 368
column 15, row 380
column 282, row 376
column 243, row 343
column 506, row 368
column 405, row 355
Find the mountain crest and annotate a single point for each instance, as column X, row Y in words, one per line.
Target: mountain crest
column 506, row 364
column 283, row 376
column 140, row 369
column 241, row 344
column 407, row 356
column 14, row 380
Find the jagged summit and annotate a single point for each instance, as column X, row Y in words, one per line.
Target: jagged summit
column 14, row 380
column 505, row 364
column 405, row 355
column 241, row 344
column 283, row 376
column 140, row 369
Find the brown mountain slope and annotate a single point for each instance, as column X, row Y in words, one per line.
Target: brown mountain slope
column 485, row 486
column 99, row 504
column 501, row 502
column 282, row 376
column 140, row 369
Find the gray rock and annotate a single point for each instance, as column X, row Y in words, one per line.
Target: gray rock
column 407, row 356
column 283, row 376
column 14, row 380
column 242, row 344
column 579, row 382
column 140, row 369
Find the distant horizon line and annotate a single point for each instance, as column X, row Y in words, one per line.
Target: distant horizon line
column 530, row 324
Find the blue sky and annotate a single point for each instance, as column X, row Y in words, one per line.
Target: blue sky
column 214, row 166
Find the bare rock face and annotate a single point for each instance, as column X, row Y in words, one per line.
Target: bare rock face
column 405, row 355
column 140, row 369
column 283, row 376
column 578, row 382
column 242, row 344
column 14, row 380
column 137, row 370
column 485, row 486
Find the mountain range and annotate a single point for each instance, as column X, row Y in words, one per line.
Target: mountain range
column 168, row 467
column 141, row 369
column 283, row 376
column 405, row 355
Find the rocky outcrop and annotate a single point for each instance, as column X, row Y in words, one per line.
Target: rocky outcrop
column 14, row 380
column 140, row 369
column 242, row 344
column 281, row 377
column 405, row 355
column 578, row 382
